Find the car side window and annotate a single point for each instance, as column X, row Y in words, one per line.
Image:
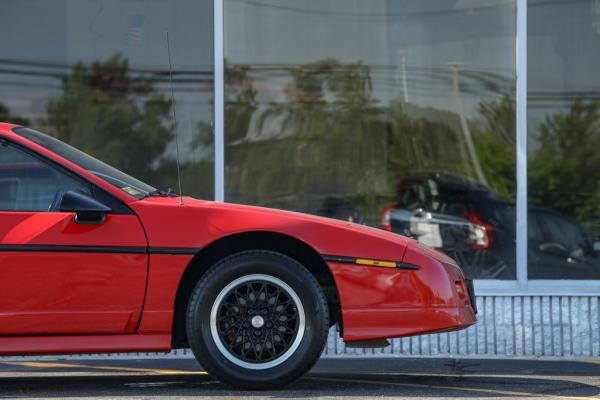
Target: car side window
column 412, row 196
column 534, row 232
column 562, row 231
column 30, row 184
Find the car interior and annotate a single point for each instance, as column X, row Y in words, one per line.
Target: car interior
column 30, row 184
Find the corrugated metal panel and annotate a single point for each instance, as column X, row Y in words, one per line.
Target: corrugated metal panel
column 518, row 326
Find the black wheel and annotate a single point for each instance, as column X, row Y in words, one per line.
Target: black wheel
column 257, row 320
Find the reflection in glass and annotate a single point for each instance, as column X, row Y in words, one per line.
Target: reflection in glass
column 398, row 114
column 564, row 137
column 95, row 75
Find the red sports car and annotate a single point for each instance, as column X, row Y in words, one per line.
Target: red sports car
column 93, row 260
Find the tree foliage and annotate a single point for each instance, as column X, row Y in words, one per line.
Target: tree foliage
column 329, row 138
column 7, row 116
column 118, row 118
column 495, row 145
column 564, row 171
column 323, row 141
column 123, row 119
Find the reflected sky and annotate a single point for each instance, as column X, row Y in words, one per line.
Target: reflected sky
column 409, row 46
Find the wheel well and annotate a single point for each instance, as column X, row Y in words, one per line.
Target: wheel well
column 287, row 245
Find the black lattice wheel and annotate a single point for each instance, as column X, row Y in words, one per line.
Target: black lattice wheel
column 257, row 321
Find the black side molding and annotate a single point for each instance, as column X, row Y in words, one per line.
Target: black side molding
column 172, row 250
column 98, row 249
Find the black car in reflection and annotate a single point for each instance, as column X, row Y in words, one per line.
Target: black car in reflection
column 469, row 222
column 560, row 248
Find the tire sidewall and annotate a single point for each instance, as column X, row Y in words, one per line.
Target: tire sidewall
column 243, row 264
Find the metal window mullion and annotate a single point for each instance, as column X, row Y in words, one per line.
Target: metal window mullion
column 219, row 107
column 521, row 148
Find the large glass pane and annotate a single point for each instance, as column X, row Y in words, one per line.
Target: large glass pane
column 95, row 73
column 564, row 138
column 391, row 113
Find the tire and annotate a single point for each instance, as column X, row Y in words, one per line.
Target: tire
column 257, row 320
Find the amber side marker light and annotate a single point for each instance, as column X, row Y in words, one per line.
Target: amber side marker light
column 375, row 263
column 367, row 262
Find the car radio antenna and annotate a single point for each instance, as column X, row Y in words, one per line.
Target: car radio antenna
column 174, row 120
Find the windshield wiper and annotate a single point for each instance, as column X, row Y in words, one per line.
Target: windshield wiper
column 161, row 193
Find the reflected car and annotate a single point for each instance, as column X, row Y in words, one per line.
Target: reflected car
column 466, row 220
column 560, row 248
column 459, row 216
column 93, row 261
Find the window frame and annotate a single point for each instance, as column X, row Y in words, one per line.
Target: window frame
column 99, row 194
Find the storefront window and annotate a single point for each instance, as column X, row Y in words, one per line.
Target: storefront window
column 563, row 139
column 95, row 73
column 398, row 114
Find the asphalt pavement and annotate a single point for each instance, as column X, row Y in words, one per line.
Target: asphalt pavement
column 332, row 378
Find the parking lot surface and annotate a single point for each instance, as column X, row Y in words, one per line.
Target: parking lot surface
column 335, row 378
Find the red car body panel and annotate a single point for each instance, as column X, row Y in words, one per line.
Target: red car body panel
column 71, row 344
column 54, row 293
column 394, row 302
column 198, row 223
column 72, row 293
column 163, row 280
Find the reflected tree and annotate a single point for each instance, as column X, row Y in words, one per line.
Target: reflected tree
column 434, row 142
column 494, row 141
column 7, row 116
column 328, row 141
column 115, row 116
column 564, row 171
column 324, row 140
column 426, row 142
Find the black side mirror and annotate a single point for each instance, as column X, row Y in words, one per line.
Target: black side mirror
column 87, row 210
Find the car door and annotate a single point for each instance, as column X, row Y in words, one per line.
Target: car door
column 58, row 276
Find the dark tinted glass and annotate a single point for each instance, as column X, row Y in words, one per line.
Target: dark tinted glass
column 104, row 171
column 563, row 231
column 29, row 184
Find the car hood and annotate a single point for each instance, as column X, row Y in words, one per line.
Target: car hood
column 197, row 223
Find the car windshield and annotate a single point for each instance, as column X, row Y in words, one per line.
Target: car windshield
column 103, row 171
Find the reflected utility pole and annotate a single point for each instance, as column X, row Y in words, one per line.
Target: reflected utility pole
column 464, row 125
column 403, row 71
